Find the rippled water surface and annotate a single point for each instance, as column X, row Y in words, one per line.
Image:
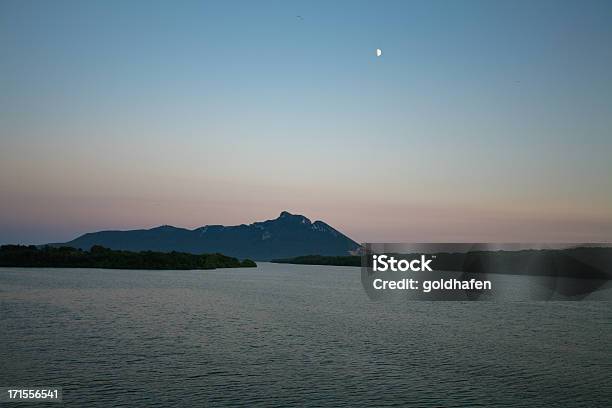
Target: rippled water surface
column 283, row 335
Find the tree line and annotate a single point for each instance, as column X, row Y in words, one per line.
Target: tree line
column 101, row 257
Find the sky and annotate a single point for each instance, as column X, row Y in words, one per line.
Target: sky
column 483, row 121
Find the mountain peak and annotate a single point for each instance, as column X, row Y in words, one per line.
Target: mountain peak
column 286, row 216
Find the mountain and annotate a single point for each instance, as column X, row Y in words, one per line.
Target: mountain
column 287, row 236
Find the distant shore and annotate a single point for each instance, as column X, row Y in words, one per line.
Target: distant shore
column 349, row 260
column 582, row 262
column 104, row 258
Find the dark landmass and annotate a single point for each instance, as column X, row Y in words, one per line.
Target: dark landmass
column 351, row 260
column 287, row 236
column 100, row 257
column 583, row 262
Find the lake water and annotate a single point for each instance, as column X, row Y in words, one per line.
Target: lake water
column 283, row 335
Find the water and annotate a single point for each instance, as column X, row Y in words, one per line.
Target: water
column 283, row 335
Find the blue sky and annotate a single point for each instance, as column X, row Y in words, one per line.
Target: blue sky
column 483, row 120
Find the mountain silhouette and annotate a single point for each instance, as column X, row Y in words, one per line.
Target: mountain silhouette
column 289, row 235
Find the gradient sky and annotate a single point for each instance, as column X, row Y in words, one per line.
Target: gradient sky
column 483, row 120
